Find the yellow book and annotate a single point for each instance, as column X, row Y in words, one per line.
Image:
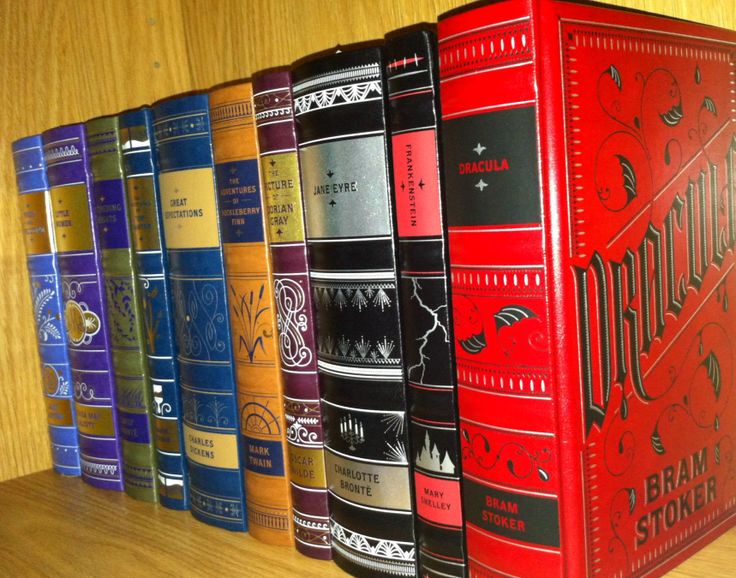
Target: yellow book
column 252, row 314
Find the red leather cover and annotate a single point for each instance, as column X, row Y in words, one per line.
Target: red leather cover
column 589, row 158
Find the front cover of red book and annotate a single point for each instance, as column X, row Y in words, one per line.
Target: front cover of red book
column 590, row 160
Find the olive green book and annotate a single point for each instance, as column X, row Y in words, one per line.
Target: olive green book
column 124, row 311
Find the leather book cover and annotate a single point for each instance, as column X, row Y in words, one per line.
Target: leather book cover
column 124, row 315
column 589, row 159
column 34, row 200
column 212, row 441
column 340, row 111
column 411, row 73
column 252, row 315
column 85, row 307
column 284, row 218
column 151, row 269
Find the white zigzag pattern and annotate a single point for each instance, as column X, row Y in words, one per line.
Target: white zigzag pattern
column 342, row 94
column 382, row 548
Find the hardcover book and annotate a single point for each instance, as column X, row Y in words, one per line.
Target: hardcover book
column 282, row 192
column 589, row 156
column 183, row 145
column 252, row 318
column 133, row 384
column 43, row 271
column 411, row 72
column 340, row 111
column 83, row 294
column 151, row 268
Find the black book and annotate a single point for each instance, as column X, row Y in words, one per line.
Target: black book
column 344, row 148
column 411, row 70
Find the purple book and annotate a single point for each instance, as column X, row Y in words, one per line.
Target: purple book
column 70, row 179
column 285, row 219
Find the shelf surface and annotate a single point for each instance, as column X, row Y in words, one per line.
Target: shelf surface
column 56, row 526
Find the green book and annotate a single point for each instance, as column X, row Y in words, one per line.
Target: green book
column 124, row 312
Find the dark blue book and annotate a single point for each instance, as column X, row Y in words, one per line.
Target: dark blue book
column 43, row 271
column 183, row 146
column 144, row 210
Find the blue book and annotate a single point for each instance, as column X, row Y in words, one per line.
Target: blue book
column 43, row 271
column 144, row 210
column 183, row 147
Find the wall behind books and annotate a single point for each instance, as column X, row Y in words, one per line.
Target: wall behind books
column 69, row 60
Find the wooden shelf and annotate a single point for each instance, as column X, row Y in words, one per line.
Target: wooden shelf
column 56, row 526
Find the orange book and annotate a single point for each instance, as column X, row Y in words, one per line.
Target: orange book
column 252, row 314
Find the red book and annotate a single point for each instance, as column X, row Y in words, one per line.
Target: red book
column 590, row 158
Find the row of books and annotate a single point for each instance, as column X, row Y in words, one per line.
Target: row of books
column 422, row 307
column 189, row 306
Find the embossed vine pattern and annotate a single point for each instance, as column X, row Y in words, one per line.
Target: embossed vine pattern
column 292, row 323
column 46, row 319
column 199, row 321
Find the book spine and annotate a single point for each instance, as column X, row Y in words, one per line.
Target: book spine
column 499, row 293
column 43, row 271
column 151, row 267
column 133, row 386
column 83, row 293
column 252, row 318
column 340, row 111
column 183, row 148
column 411, row 74
column 282, row 191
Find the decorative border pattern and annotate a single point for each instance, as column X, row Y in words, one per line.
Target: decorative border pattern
column 492, row 46
column 365, row 72
column 349, row 94
column 386, row 549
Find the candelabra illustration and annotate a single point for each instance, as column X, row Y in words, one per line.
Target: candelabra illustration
column 351, row 431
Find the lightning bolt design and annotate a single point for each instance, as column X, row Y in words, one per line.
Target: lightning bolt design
column 423, row 340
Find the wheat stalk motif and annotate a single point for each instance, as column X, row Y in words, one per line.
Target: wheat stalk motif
column 382, row 300
column 343, row 345
column 248, row 310
column 151, row 321
column 359, row 300
column 340, row 299
column 362, row 347
column 329, row 344
column 385, row 347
